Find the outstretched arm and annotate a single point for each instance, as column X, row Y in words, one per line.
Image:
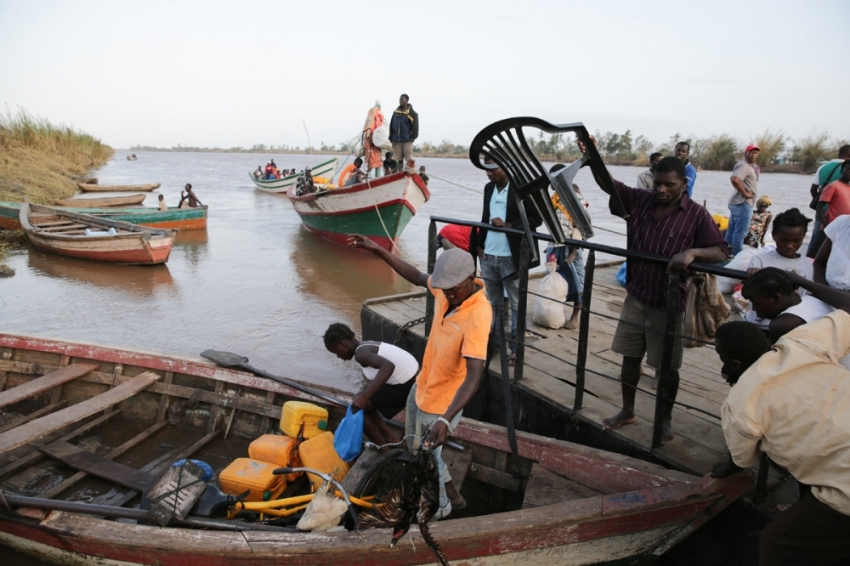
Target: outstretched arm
column 400, row 266
column 833, row 297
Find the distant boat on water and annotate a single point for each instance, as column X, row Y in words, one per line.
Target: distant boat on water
column 90, row 237
column 100, row 202
column 117, row 188
column 379, row 208
column 282, row 185
column 132, row 157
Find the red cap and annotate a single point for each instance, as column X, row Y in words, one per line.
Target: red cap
column 751, row 147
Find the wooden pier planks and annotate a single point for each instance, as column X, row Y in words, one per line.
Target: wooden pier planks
column 38, row 428
column 45, row 382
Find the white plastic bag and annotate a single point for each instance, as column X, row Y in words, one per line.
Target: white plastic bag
column 381, row 137
column 550, row 313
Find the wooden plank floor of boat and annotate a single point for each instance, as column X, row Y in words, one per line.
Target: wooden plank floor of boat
column 548, row 373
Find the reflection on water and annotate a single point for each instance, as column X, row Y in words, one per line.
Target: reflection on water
column 135, row 279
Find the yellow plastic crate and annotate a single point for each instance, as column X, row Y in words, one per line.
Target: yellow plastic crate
column 296, row 413
column 244, row 474
column 318, row 453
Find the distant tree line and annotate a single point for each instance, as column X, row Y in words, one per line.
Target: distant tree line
column 719, row 152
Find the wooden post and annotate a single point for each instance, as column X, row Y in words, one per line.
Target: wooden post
column 672, row 310
column 584, row 330
column 432, row 259
column 522, row 307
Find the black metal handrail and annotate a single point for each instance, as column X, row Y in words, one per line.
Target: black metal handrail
column 671, row 306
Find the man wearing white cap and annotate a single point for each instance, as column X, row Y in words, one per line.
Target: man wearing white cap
column 745, row 181
column 454, row 356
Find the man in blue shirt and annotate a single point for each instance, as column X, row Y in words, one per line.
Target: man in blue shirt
column 683, row 149
column 499, row 253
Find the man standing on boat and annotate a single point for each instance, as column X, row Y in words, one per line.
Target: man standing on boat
column 664, row 222
column 792, row 402
column 454, row 357
column 745, row 181
column 683, row 149
column 644, row 180
column 404, row 129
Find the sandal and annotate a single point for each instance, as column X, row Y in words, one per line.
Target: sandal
column 512, row 360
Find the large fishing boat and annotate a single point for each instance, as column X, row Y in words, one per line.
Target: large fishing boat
column 90, row 237
column 325, row 169
column 81, row 422
column 378, row 208
column 173, row 217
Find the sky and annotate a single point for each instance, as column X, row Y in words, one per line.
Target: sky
column 236, row 74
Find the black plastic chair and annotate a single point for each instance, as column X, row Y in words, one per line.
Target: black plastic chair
column 505, row 144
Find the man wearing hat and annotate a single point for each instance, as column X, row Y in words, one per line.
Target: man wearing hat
column 454, row 357
column 745, row 181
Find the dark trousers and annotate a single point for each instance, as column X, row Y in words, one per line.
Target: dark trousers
column 810, row 533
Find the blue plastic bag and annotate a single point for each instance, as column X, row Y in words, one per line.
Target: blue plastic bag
column 208, row 471
column 621, row 275
column 348, row 439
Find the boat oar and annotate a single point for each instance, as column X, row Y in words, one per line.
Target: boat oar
column 228, row 360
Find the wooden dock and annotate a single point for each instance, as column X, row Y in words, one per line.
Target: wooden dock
column 546, row 392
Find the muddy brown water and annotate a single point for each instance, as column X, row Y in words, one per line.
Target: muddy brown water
column 255, row 282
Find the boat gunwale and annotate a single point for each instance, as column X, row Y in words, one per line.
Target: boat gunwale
column 364, row 186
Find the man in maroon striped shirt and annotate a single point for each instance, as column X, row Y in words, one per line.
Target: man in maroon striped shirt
column 663, row 222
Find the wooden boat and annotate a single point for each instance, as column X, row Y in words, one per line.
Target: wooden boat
column 101, row 202
column 174, row 217
column 574, row 506
column 63, row 232
column 282, row 185
column 379, row 208
column 117, row 188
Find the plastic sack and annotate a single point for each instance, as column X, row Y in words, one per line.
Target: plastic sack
column 705, row 310
column 348, row 439
column 381, row 136
column 550, row 313
column 621, row 275
column 740, row 263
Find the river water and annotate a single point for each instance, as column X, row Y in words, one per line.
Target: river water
column 255, row 282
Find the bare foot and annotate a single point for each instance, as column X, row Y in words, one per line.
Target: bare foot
column 572, row 324
column 624, row 417
column 456, row 499
column 667, row 430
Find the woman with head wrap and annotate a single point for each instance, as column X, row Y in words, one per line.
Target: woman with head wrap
column 759, row 223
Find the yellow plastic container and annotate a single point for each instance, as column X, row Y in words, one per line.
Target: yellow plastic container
column 281, row 451
column 318, row 453
column 721, row 221
column 296, row 413
column 244, row 474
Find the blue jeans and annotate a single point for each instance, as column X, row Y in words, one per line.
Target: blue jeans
column 415, row 420
column 815, row 243
column 739, row 222
column 493, row 269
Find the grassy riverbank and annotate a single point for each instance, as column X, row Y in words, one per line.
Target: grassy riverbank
column 40, row 160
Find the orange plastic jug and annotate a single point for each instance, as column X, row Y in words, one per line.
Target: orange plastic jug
column 281, row 451
column 296, row 413
column 244, row 474
column 318, row 453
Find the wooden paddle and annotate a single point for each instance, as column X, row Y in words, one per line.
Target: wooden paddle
column 228, row 360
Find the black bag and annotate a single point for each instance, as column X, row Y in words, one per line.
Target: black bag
column 837, row 167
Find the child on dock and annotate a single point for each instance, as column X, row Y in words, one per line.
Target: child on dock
column 391, row 371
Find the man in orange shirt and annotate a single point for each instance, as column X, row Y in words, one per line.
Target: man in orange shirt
column 350, row 171
column 835, row 198
column 454, row 356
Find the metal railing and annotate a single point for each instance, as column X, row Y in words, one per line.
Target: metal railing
column 671, row 306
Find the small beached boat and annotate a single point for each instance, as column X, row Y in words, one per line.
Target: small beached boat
column 117, row 188
column 174, row 217
column 91, row 237
column 69, row 411
column 100, row 202
column 379, row 208
column 282, row 185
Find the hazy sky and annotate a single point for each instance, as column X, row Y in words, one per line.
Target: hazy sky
column 240, row 73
